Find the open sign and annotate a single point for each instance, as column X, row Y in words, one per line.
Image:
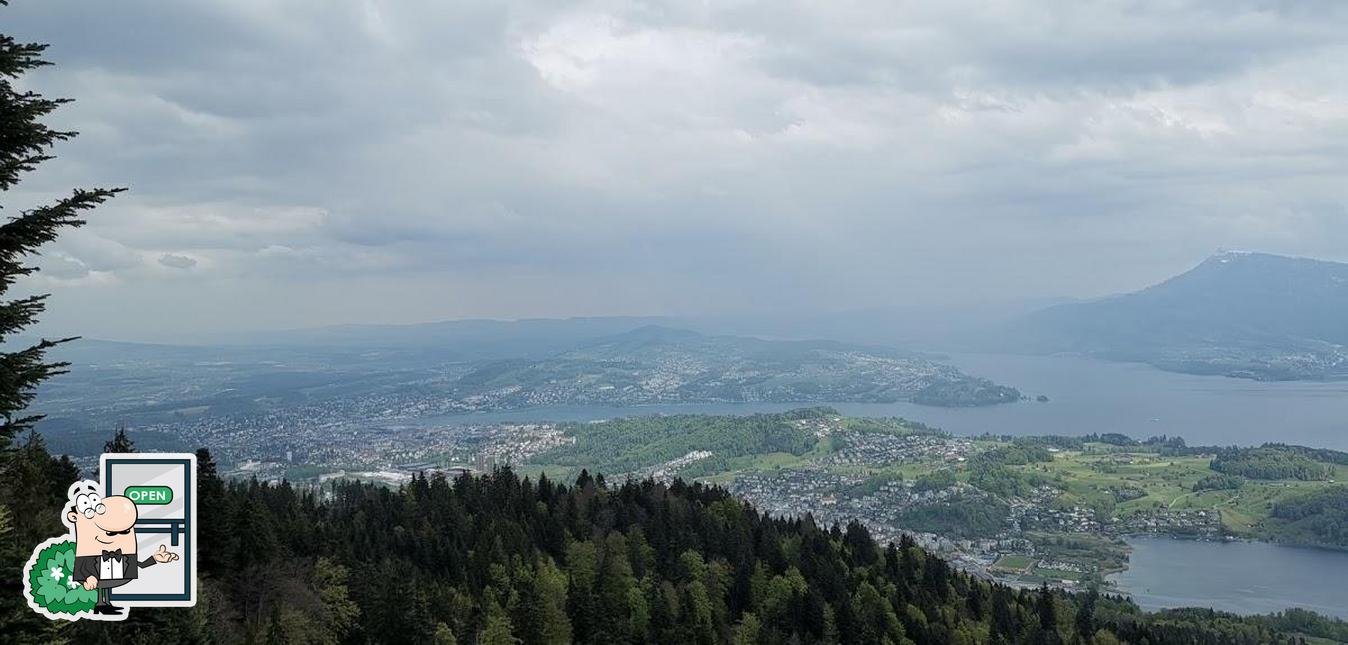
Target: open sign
column 155, row 495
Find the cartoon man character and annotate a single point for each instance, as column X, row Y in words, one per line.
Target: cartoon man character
column 105, row 543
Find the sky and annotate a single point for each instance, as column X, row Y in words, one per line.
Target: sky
column 305, row 163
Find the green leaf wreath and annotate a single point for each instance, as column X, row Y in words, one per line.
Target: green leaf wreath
column 52, row 585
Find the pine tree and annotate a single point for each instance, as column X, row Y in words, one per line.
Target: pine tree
column 497, row 630
column 444, row 635
column 120, row 442
column 1085, row 617
column 25, row 142
column 32, row 490
column 1048, row 615
column 860, row 546
column 338, row 612
column 746, row 632
column 216, row 532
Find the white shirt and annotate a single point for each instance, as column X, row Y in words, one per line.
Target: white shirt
column 109, row 568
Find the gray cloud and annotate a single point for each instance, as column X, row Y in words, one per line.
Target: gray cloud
column 177, row 261
column 537, row 158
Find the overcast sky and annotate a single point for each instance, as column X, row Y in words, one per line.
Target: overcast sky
column 307, row 163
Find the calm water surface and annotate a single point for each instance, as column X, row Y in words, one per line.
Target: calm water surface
column 1240, row 577
column 1086, row 395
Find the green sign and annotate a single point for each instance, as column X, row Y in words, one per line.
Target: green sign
column 149, row 494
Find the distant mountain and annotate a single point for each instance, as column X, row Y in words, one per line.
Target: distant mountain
column 468, row 339
column 662, row 365
column 1249, row 315
column 895, row 325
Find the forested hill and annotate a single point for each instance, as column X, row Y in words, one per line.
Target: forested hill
column 502, row 560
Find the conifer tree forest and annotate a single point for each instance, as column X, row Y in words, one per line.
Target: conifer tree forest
column 503, row 559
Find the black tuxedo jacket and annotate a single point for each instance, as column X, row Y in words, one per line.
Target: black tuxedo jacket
column 89, row 565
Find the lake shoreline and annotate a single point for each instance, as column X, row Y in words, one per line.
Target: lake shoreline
column 1086, row 396
column 1241, row 576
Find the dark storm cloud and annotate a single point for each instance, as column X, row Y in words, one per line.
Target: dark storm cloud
column 487, row 159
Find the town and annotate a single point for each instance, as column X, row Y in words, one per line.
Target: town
column 895, row 477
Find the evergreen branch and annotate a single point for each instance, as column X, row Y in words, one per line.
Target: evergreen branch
column 17, row 57
column 24, row 139
column 17, row 314
column 22, row 235
column 20, row 373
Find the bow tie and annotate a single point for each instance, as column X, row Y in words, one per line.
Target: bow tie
column 109, row 554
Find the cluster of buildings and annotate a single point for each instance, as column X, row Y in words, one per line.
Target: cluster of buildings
column 667, row 471
column 359, row 427
column 515, row 443
column 1036, row 511
column 1188, row 522
column 822, row 494
column 796, row 492
column 879, row 448
column 391, row 453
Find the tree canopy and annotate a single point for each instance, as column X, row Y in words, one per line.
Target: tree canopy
column 26, row 142
column 29, row 479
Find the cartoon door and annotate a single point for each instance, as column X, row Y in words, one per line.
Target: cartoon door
column 163, row 486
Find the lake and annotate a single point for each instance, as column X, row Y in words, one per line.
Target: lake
column 1088, row 395
column 1085, row 396
column 1093, row 396
column 1240, row 577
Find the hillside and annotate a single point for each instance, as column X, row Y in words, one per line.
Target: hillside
column 500, row 560
column 663, row 365
column 471, row 339
column 978, row 500
column 1248, row 315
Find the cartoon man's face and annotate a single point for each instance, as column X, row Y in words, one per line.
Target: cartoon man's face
column 103, row 523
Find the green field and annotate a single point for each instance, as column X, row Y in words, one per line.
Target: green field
column 1112, row 481
column 1056, row 574
column 1012, row 562
column 1092, row 476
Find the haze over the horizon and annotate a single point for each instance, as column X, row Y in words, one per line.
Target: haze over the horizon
column 309, row 163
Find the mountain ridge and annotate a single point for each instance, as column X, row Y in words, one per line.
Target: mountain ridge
column 1237, row 313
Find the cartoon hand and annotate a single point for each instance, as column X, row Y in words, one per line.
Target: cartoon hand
column 90, row 583
column 162, row 555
